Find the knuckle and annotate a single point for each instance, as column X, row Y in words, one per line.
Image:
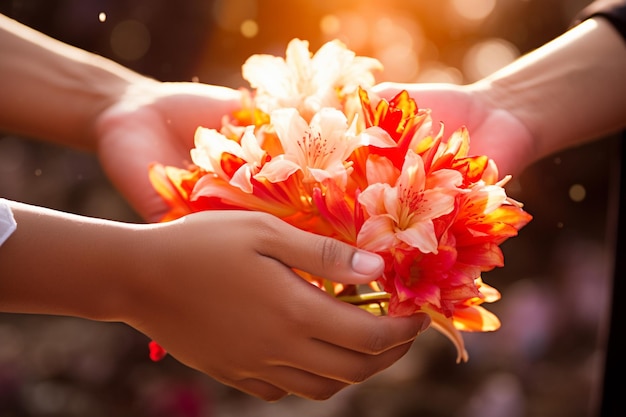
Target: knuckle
column 377, row 342
column 263, row 223
column 331, row 251
column 266, row 229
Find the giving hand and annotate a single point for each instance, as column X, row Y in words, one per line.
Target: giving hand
column 220, row 296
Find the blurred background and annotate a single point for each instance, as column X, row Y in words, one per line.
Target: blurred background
column 546, row 360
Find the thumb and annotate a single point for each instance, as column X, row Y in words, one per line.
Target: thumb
column 323, row 256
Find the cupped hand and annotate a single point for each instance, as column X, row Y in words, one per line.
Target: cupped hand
column 155, row 122
column 493, row 130
column 220, row 296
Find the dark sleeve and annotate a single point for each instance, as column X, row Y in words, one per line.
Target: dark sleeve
column 612, row 10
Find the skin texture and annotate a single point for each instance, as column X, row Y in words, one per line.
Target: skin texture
column 215, row 289
column 567, row 92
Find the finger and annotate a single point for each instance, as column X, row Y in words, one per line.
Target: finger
column 260, row 389
column 302, row 383
column 320, row 255
column 340, row 364
column 353, row 328
column 336, row 322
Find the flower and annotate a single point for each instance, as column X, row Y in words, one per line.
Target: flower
column 403, row 214
column 320, row 149
column 247, row 156
column 308, row 83
column 379, row 176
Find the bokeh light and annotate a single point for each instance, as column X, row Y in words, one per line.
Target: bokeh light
column 230, row 15
column 488, row 56
column 330, row 25
column 249, row 28
column 397, row 42
column 348, row 26
column 436, row 72
column 473, row 9
column 577, row 192
column 130, row 40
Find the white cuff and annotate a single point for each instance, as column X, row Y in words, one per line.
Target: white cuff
column 7, row 221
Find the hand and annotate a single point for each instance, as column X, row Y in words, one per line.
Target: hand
column 493, row 130
column 220, row 297
column 155, row 122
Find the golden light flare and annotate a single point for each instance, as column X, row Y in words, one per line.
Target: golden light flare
column 404, row 37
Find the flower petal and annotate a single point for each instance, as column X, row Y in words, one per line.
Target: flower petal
column 475, row 319
column 278, row 169
column 377, row 234
column 446, row 326
column 420, row 235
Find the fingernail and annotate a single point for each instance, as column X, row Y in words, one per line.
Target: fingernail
column 367, row 263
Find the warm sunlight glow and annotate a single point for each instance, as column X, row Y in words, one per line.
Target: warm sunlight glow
column 397, row 43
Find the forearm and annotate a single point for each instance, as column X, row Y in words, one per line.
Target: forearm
column 568, row 91
column 53, row 91
column 62, row 264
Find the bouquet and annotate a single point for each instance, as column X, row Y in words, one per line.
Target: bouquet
column 313, row 147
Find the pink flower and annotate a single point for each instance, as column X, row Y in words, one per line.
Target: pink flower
column 404, row 213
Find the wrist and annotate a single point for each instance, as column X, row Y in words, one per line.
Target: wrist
column 146, row 263
column 560, row 92
column 62, row 264
column 57, row 90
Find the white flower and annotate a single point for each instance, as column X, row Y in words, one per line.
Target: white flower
column 212, row 145
column 308, row 83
